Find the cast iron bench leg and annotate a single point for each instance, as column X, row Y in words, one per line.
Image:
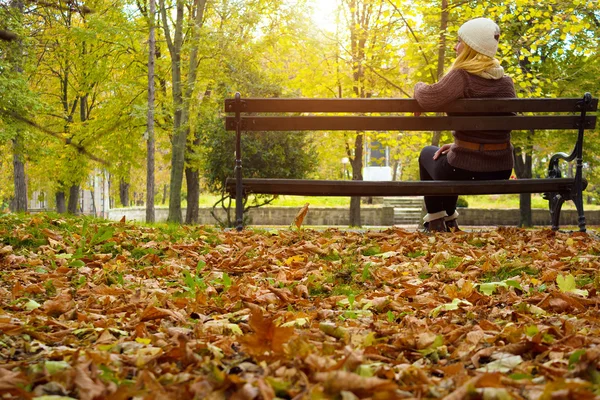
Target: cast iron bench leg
column 578, row 200
column 556, row 201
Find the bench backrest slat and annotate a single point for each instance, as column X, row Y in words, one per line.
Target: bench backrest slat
column 348, row 123
column 279, row 105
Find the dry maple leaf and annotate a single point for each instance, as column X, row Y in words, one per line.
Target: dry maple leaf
column 267, row 336
column 152, row 312
column 59, row 304
column 89, row 388
column 300, row 216
column 10, row 381
column 337, row 381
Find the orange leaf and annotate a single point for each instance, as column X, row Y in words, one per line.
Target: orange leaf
column 300, row 216
column 267, row 336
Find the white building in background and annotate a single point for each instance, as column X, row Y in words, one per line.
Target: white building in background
column 94, row 197
column 377, row 162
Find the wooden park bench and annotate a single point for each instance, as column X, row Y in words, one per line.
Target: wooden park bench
column 286, row 114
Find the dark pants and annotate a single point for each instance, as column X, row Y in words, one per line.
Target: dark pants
column 440, row 170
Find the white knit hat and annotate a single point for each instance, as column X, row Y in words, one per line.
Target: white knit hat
column 481, row 34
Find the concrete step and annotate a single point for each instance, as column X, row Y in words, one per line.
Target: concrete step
column 403, row 201
column 398, row 210
column 409, row 212
column 407, row 219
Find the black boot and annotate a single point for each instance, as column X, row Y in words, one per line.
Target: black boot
column 436, row 225
column 452, row 226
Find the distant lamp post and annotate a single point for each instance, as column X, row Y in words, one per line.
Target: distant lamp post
column 345, row 162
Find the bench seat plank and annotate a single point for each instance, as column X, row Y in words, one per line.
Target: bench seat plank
column 347, row 123
column 401, row 188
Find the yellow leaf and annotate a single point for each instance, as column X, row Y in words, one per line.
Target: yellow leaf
column 292, row 259
column 143, row 340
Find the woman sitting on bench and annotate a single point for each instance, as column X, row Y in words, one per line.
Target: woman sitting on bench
column 477, row 155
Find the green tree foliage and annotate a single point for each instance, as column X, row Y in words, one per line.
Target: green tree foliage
column 78, row 96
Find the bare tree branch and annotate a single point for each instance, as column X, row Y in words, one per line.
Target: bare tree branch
column 416, row 39
column 388, row 81
column 57, row 135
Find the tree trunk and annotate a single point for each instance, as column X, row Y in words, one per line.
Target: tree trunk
column 61, row 204
column 395, row 166
column 181, row 100
column 19, row 202
column 111, row 201
column 73, row 207
column 523, row 169
column 192, row 178
column 359, row 27
column 19, row 178
column 357, row 163
column 124, row 193
column 93, row 196
column 150, row 214
column 435, row 139
column 178, row 141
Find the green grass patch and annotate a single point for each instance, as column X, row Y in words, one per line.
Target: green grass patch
column 512, row 201
column 208, row 200
column 477, row 242
column 333, row 256
column 139, row 252
column 509, row 271
column 582, row 280
column 451, row 262
column 371, row 251
column 479, row 201
column 345, row 290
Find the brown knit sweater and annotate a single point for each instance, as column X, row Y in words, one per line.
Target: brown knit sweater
column 458, row 84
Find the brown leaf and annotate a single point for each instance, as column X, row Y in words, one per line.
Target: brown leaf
column 89, row 389
column 56, row 237
column 105, row 338
column 59, row 305
column 300, row 216
column 122, row 220
column 10, row 326
column 301, row 291
column 336, row 381
column 561, row 302
column 266, row 391
column 11, row 381
column 484, row 380
column 151, row 313
column 17, row 289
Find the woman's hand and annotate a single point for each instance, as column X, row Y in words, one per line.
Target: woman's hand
column 442, row 150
